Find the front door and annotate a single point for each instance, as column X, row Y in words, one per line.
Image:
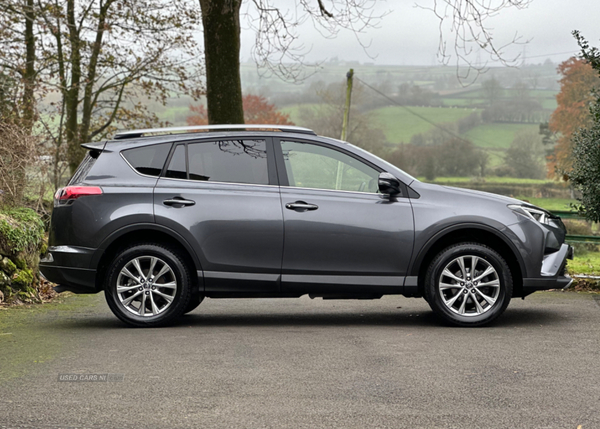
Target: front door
column 340, row 233
column 220, row 196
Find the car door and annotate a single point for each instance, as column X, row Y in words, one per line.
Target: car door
column 221, row 195
column 340, row 233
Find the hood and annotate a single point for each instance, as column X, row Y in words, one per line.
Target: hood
column 422, row 187
column 482, row 194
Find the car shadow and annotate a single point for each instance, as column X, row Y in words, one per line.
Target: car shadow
column 403, row 318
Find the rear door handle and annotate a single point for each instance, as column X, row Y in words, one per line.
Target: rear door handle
column 301, row 206
column 178, row 202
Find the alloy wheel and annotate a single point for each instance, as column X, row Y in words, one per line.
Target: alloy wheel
column 146, row 286
column 469, row 285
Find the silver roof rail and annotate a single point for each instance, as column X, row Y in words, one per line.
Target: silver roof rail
column 206, row 128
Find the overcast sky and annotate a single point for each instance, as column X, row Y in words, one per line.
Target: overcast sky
column 409, row 35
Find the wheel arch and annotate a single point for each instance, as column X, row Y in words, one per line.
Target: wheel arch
column 139, row 234
column 477, row 233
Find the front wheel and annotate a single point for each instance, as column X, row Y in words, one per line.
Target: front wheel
column 468, row 284
column 148, row 285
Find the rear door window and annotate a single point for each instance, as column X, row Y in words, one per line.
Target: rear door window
column 229, row 161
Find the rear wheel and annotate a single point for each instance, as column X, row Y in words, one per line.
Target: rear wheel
column 468, row 284
column 148, row 285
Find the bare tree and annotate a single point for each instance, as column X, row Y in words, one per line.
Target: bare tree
column 18, row 33
column 95, row 59
column 466, row 23
column 278, row 49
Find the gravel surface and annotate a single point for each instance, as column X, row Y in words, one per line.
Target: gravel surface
column 302, row 363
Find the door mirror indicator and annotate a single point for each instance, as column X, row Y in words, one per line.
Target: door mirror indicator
column 388, row 184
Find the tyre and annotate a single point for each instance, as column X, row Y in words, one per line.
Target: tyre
column 148, row 285
column 468, row 284
column 195, row 301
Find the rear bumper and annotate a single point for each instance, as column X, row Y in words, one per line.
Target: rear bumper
column 69, row 267
column 76, row 280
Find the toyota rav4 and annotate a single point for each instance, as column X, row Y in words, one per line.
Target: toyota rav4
column 159, row 219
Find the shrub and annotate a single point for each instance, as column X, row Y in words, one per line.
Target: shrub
column 18, row 152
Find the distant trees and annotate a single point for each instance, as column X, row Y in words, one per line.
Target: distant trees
column 492, row 90
column 326, row 119
column 525, row 158
column 257, row 110
column 455, row 157
column 519, row 107
column 577, row 85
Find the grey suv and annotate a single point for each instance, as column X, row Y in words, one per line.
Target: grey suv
column 160, row 219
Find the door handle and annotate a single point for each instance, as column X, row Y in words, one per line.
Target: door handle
column 178, row 202
column 301, row 206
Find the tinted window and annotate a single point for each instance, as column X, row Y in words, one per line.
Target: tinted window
column 314, row 166
column 235, row 161
column 177, row 168
column 83, row 170
column 148, row 159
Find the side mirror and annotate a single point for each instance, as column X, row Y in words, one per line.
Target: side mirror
column 388, row 184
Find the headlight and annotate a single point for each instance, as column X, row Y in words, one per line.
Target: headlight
column 538, row 215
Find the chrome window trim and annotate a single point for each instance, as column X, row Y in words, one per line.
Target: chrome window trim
column 333, row 190
column 217, row 183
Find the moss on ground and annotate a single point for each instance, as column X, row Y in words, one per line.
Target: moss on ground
column 27, row 336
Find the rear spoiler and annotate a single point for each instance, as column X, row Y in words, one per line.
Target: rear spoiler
column 95, row 148
column 99, row 146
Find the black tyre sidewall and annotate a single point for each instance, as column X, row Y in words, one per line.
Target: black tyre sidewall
column 182, row 295
column 194, row 302
column 433, row 294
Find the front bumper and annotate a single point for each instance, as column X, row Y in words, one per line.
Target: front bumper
column 552, row 272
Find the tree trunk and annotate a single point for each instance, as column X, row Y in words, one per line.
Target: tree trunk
column 74, row 151
column 29, row 74
column 88, row 92
column 221, row 21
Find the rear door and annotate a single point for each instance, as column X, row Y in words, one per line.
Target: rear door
column 340, row 233
column 221, row 195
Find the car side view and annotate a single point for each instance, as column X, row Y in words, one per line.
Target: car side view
column 159, row 219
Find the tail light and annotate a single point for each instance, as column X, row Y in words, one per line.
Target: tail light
column 67, row 195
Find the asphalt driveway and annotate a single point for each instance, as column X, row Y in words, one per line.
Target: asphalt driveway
column 279, row 363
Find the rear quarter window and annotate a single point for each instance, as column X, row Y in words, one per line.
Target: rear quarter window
column 83, row 170
column 148, row 160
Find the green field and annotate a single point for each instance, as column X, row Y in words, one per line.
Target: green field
column 490, row 179
column 294, row 112
column 399, row 124
column 176, row 116
column 498, row 136
column 552, row 204
column 585, row 263
column 460, row 102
